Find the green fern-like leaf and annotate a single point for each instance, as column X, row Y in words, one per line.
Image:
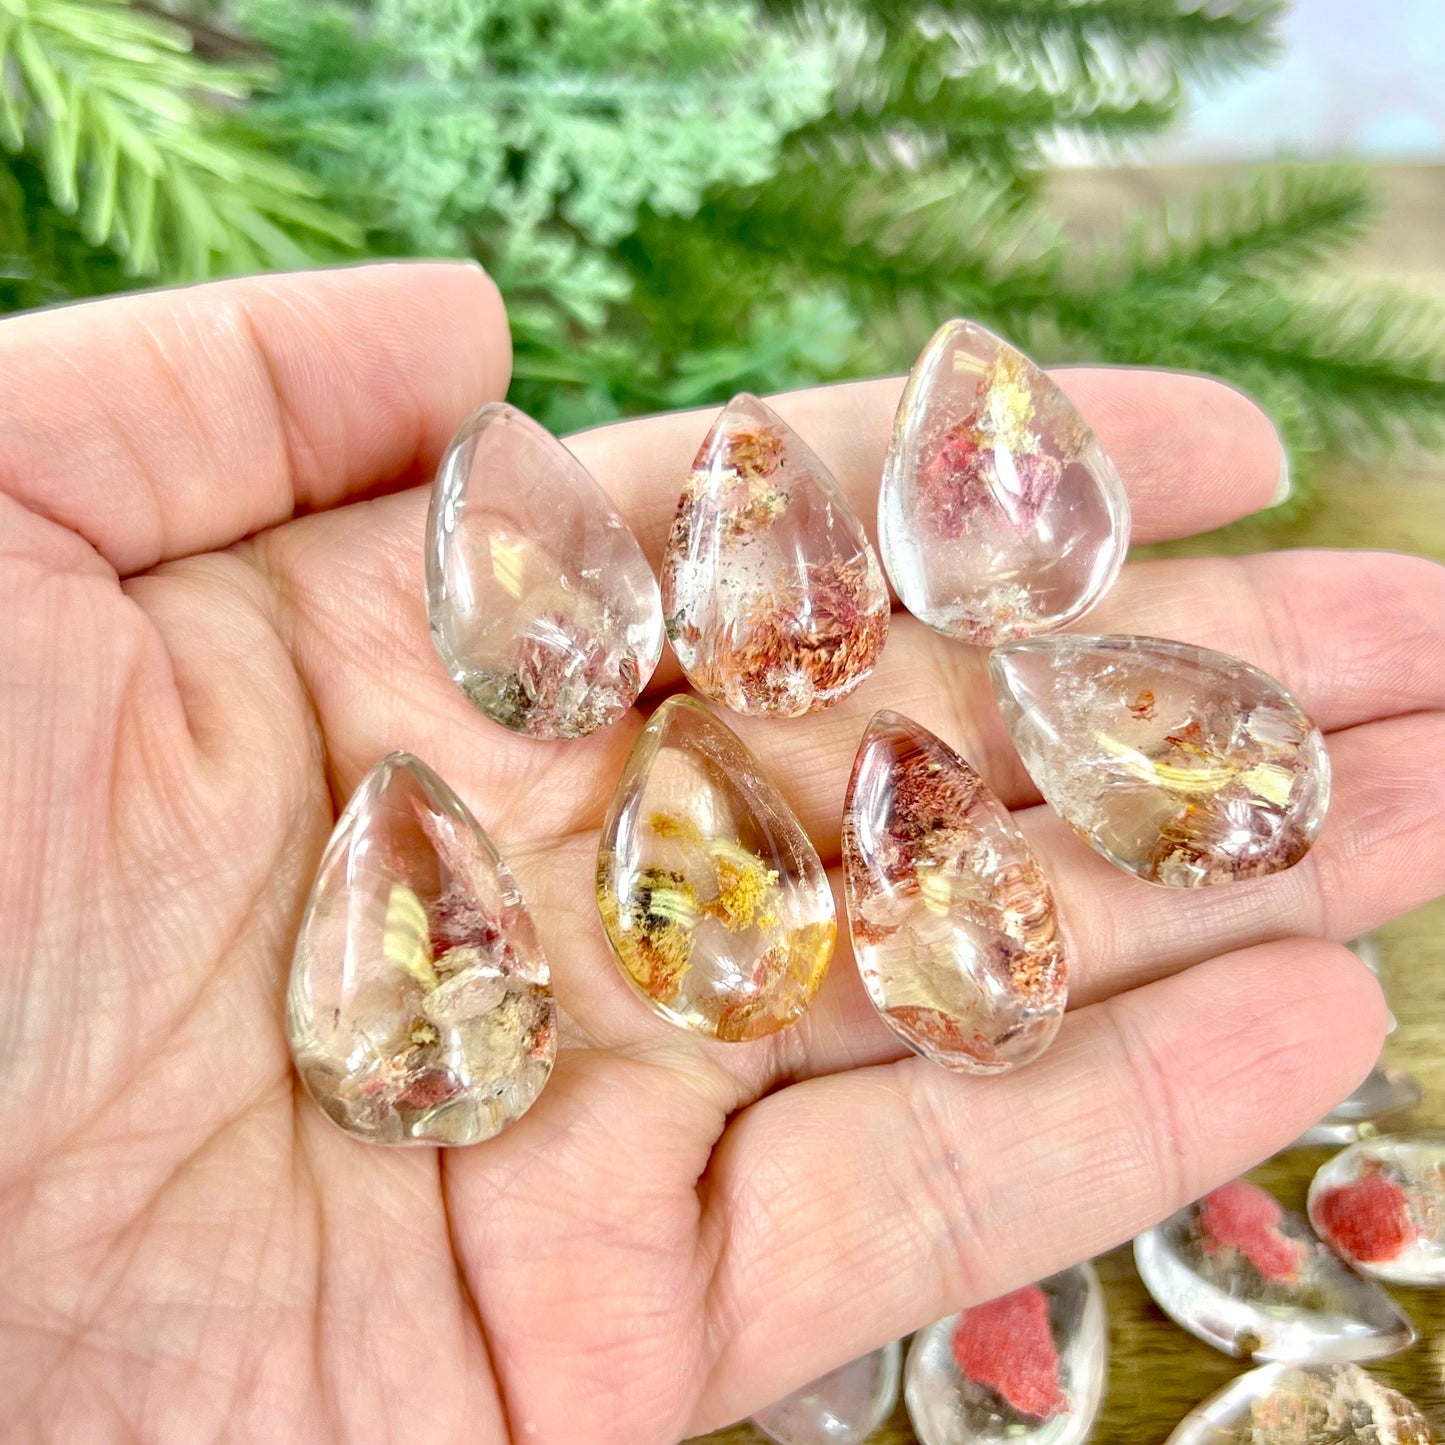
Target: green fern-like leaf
column 134, row 141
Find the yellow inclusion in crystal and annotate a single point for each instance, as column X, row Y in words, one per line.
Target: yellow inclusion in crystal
column 745, row 886
column 406, row 936
column 1270, row 781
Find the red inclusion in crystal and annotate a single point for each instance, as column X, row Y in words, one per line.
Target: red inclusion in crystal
column 1368, row 1218
column 1008, row 1346
column 1242, row 1216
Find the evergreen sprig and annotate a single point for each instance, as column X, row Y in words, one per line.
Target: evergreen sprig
column 135, row 140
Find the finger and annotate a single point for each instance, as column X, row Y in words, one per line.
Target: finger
column 1193, row 452
column 845, row 1212
column 1380, row 854
column 160, row 425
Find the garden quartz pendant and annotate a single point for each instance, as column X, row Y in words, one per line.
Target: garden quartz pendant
column 715, row 903
column 420, row 1006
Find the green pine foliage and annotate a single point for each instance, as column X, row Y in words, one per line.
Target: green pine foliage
column 685, row 198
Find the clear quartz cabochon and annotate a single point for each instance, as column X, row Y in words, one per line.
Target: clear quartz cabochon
column 1000, row 515
column 713, row 898
column 1283, row 1404
column 1385, row 1094
column 1183, row 766
column 774, row 600
column 419, row 1009
column 1381, row 1204
column 844, row 1407
column 1244, row 1274
column 1027, row 1369
column 954, row 925
column 542, row 606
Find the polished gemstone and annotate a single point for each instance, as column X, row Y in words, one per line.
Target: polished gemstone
column 420, row 1009
column 542, row 606
column 1026, row 1368
column 1385, row 1094
column 713, row 898
column 1180, row 765
column 954, row 925
column 774, row 601
column 1000, row 515
column 1381, row 1204
column 1284, row 1404
column 1247, row 1276
column 845, row 1407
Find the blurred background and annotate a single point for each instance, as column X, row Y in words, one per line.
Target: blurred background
column 686, row 198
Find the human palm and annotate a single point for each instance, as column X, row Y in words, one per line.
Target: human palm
column 194, row 674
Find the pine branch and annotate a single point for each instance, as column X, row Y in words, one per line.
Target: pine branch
column 1277, row 222
column 129, row 130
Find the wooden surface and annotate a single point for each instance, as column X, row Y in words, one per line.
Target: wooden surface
column 1156, row 1371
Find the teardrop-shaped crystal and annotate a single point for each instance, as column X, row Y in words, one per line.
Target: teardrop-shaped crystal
column 1304, row 1405
column 1384, row 1094
column 774, row 601
column 1028, row 1368
column 1247, row 1276
column 1180, row 765
column 1000, row 515
column 845, row 1407
column 542, row 606
column 954, row 926
column 1381, row 1204
column 714, row 900
column 420, row 1008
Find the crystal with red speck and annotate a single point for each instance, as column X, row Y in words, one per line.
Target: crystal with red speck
column 1183, row 766
column 1282, row 1404
column 844, row 1407
column 954, row 925
column 713, row 898
column 1000, row 515
column 1247, row 1276
column 1028, row 1367
column 774, row 601
column 542, row 606
column 1381, row 1204
column 420, row 1008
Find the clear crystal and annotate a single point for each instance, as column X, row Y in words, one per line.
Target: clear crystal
column 542, row 606
column 1304, row 1405
column 1247, row 1276
column 775, row 603
column 1381, row 1204
column 1027, row 1369
column 420, row 1009
column 1180, row 765
column 1384, row 1094
column 716, row 905
column 954, row 925
column 845, row 1407
column 1000, row 515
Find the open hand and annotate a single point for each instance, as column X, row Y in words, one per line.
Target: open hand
column 212, row 624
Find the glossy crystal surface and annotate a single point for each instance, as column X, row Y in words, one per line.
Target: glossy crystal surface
column 1385, row 1094
column 1381, row 1204
column 1000, row 515
column 714, row 900
column 1248, row 1276
column 419, row 1009
column 1028, row 1368
column 1304, row 1405
column 844, row 1407
column 542, row 606
column 774, row 601
column 954, row 925
column 1183, row 766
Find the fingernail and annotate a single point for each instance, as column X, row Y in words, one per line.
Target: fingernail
column 1282, row 486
